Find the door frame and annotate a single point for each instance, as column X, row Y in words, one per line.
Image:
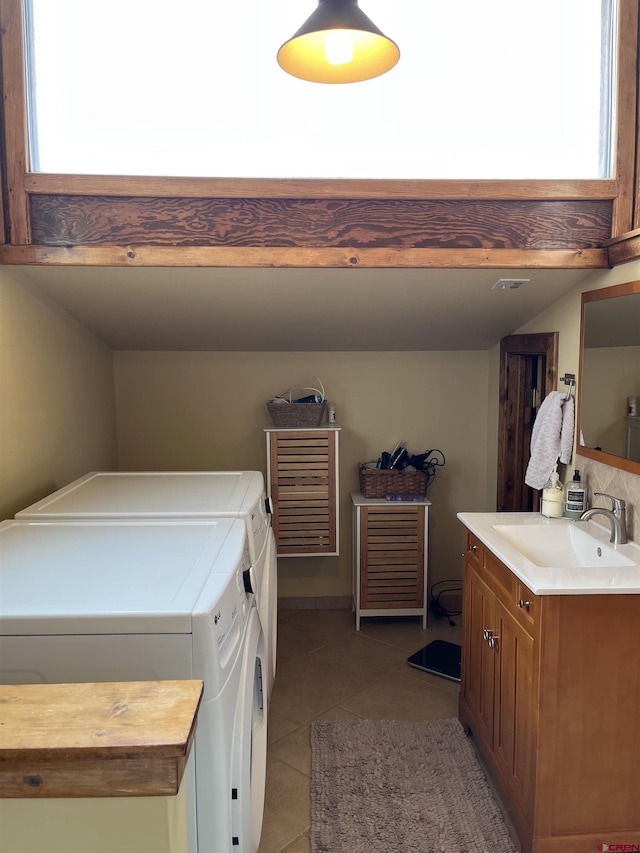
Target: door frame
column 511, row 398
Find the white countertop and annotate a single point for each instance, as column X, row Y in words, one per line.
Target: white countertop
column 556, row 580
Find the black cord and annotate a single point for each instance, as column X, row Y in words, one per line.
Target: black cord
column 438, row 610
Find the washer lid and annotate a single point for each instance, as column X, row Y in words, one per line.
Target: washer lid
column 152, row 494
column 97, row 577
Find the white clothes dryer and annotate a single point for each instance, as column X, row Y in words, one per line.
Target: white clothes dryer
column 129, row 600
column 183, row 494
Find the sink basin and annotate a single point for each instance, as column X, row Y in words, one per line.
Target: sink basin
column 563, row 544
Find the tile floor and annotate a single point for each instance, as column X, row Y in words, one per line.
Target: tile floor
column 328, row 670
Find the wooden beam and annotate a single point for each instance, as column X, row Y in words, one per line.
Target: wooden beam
column 327, row 258
column 15, row 120
column 627, row 117
column 319, row 223
column 625, row 248
column 150, row 187
column 636, row 210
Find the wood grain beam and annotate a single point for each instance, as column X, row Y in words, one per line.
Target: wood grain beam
column 15, row 121
column 155, row 187
column 625, row 248
column 319, row 223
column 327, row 258
column 627, row 118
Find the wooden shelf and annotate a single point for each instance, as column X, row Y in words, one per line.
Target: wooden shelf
column 121, row 739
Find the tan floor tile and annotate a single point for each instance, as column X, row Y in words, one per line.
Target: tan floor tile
column 295, row 748
column 357, row 657
column 407, row 632
column 278, row 727
column 436, row 681
column 293, row 644
column 402, row 696
column 287, row 811
column 302, row 692
column 326, row 624
column 302, row 844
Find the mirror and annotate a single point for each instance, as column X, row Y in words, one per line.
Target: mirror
column 609, row 375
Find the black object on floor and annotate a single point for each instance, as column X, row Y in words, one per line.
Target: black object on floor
column 439, row 658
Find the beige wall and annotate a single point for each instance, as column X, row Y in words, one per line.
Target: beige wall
column 180, row 410
column 564, row 316
column 206, row 410
column 57, row 417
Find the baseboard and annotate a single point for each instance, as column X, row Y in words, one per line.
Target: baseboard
column 325, row 602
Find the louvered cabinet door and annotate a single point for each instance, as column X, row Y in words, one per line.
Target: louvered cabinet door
column 303, row 484
column 391, row 558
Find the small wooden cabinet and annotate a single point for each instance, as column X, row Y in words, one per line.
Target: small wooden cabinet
column 390, row 554
column 551, row 692
column 302, row 481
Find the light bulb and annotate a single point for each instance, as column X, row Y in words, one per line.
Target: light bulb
column 338, row 47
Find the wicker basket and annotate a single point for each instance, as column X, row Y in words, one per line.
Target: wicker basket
column 297, row 414
column 378, row 483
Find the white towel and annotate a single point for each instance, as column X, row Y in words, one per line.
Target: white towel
column 551, row 438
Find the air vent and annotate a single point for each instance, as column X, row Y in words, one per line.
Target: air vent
column 510, row 283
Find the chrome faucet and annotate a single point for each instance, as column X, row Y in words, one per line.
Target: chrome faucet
column 617, row 517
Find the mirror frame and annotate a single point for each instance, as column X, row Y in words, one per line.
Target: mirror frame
column 588, row 297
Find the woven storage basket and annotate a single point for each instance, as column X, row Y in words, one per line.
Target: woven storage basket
column 378, row 483
column 297, row 414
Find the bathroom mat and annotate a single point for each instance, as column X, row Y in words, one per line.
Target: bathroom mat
column 386, row 786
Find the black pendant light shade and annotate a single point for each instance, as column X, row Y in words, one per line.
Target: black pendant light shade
column 338, row 43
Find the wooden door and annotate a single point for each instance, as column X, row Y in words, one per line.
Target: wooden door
column 514, row 706
column 479, row 659
column 528, row 372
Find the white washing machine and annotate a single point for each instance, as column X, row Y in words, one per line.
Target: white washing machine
column 183, row 494
column 129, row 600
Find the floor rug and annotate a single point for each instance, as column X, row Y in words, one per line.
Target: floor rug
column 400, row 787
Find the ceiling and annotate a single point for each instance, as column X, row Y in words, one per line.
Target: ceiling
column 289, row 310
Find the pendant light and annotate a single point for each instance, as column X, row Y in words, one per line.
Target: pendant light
column 338, row 43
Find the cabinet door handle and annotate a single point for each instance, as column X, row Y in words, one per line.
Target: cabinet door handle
column 525, row 605
column 486, row 635
column 472, row 548
column 493, row 641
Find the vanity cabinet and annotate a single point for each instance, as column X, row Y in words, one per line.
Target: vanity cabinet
column 551, row 693
column 302, row 481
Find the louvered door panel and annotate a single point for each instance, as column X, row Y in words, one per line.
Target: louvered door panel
column 303, row 484
column 392, row 558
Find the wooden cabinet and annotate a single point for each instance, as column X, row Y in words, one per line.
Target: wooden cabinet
column 551, row 692
column 390, row 545
column 302, row 480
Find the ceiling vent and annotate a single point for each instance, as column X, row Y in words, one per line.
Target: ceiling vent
column 510, row 283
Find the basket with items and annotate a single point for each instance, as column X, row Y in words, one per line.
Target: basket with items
column 294, row 409
column 400, row 476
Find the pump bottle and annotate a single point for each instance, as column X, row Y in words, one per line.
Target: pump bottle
column 575, row 499
column 552, row 496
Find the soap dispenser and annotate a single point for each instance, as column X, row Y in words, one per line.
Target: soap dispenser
column 575, row 501
column 552, row 496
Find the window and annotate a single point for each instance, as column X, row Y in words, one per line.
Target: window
column 492, row 90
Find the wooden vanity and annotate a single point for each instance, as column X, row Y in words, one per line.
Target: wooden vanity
column 551, row 693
